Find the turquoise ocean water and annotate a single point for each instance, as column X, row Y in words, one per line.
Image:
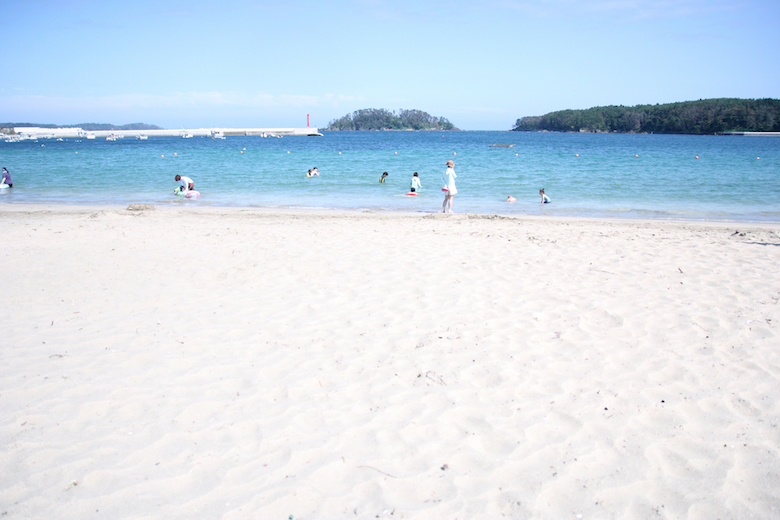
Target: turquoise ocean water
column 592, row 175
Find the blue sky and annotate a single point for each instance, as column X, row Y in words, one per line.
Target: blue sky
column 481, row 64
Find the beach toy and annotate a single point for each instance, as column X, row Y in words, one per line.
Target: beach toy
column 412, row 194
column 191, row 194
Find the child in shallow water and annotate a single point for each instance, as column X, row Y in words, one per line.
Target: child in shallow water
column 449, row 188
column 415, row 183
column 545, row 198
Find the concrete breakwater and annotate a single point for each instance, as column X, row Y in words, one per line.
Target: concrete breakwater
column 36, row 132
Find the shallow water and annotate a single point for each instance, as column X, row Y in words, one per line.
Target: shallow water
column 599, row 175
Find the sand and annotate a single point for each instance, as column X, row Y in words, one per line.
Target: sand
column 246, row 364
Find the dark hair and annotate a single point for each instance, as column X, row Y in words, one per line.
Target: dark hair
column 177, row 178
column 415, row 174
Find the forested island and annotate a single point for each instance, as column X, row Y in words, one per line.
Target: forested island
column 382, row 119
column 706, row 116
column 89, row 127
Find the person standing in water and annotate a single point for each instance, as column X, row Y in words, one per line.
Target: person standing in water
column 415, row 183
column 383, row 177
column 449, row 188
column 6, row 182
column 545, row 198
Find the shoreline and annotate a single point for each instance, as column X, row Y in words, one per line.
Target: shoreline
column 25, row 207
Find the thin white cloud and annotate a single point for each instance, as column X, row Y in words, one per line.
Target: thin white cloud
column 193, row 109
column 195, row 100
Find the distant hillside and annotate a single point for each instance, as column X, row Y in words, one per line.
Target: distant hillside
column 706, row 116
column 85, row 126
column 382, row 119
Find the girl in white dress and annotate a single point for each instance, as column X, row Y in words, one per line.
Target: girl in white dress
column 449, row 188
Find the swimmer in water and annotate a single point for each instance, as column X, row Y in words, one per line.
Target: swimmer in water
column 511, row 199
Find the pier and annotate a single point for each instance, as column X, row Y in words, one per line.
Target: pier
column 36, row 132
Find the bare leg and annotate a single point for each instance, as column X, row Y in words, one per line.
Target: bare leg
column 451, row 197
column 444, row 204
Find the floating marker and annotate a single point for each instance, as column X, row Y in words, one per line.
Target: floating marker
column 162, row 156
column 636, row 156
column 339, row 153
column 396, row 153
column 697, row 156
column 576, row 155
column 454, row 153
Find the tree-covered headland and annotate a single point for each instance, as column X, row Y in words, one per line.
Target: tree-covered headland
column 706, row 116
column 382, row 119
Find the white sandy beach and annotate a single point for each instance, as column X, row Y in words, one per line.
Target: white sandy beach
column 246, row 364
